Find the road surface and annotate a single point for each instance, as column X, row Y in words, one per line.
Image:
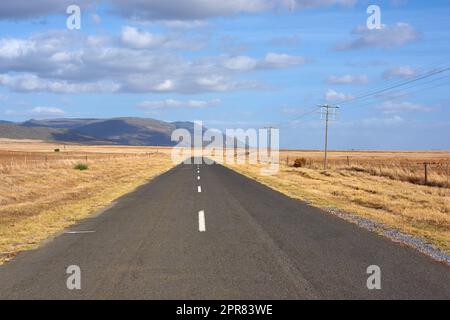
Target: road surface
column 206, row 232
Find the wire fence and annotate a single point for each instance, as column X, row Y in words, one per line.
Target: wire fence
column 12, row 160
column 425, row 172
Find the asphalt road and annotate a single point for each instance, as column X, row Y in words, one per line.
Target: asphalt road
column 232, row 238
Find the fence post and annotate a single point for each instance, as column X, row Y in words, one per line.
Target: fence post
column 425, row 166
column 447, row 176
column 348, row 161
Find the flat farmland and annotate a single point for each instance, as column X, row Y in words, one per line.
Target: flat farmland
column 388, row 187
column 42, row 193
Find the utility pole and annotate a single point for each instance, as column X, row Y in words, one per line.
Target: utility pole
column 269, row 128
column 329, row 112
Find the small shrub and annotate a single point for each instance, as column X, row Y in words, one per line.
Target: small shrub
column 56, row 150
column 81, row 166
column 299, row 162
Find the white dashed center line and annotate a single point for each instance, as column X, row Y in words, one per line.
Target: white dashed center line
column 201, row 221
column 78, row 232
column 198, row 177
column 199, row 188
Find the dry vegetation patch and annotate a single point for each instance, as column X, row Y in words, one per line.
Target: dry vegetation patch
column 40, row 199
column 411, row 208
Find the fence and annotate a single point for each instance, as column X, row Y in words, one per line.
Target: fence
column 433, row 173
column 17, row 159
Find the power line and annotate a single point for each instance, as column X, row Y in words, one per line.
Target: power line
column 375, row 92
column 359, row 104
column 365, row 96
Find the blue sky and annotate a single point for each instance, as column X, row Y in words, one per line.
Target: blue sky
column 236, row 64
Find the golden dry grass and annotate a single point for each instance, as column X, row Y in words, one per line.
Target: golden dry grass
column 397, row 165
column 415, row 209
column 39, row 199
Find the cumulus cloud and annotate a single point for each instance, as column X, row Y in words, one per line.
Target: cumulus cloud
column 184, row 24
column 37, row 112
column 270, row 61
column 240, row 63
column 277, row 60
column 24, row 9
column 400, row 72
column 395, row 35
column 347, row 79
column 334, row 96
column 171, row 103
column 32, row 83
column 130, row 62
column 139, row 39
column 203, row 9
column 47, row 111
column 180, row 10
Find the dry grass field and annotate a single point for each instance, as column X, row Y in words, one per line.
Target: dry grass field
column 41, row 193
column 397, row 165
column 387, row 187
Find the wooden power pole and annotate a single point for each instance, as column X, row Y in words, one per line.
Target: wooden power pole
column 269, row 130
column 329, row 113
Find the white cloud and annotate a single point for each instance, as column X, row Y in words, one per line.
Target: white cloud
column 37, row 112
column 187, row 9
column 395, row 35
column 162, row 9
column 240, row 63
column 139, row 39
column 334, row 96
column 166, row 85
column 390, row 107
column 270, row 61
column 47, row 111
column 171, row 103
column 203, row 9
column 32, row 83
column 277, row 60
column 400, row 72
column 184, row 24
column 131, row 62
column 347, row 79
column 24, row 9
column 15, row 48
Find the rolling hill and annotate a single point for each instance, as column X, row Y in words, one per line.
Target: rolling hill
column 123, row 131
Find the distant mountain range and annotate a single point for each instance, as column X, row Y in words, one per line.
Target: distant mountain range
column 123, row 131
